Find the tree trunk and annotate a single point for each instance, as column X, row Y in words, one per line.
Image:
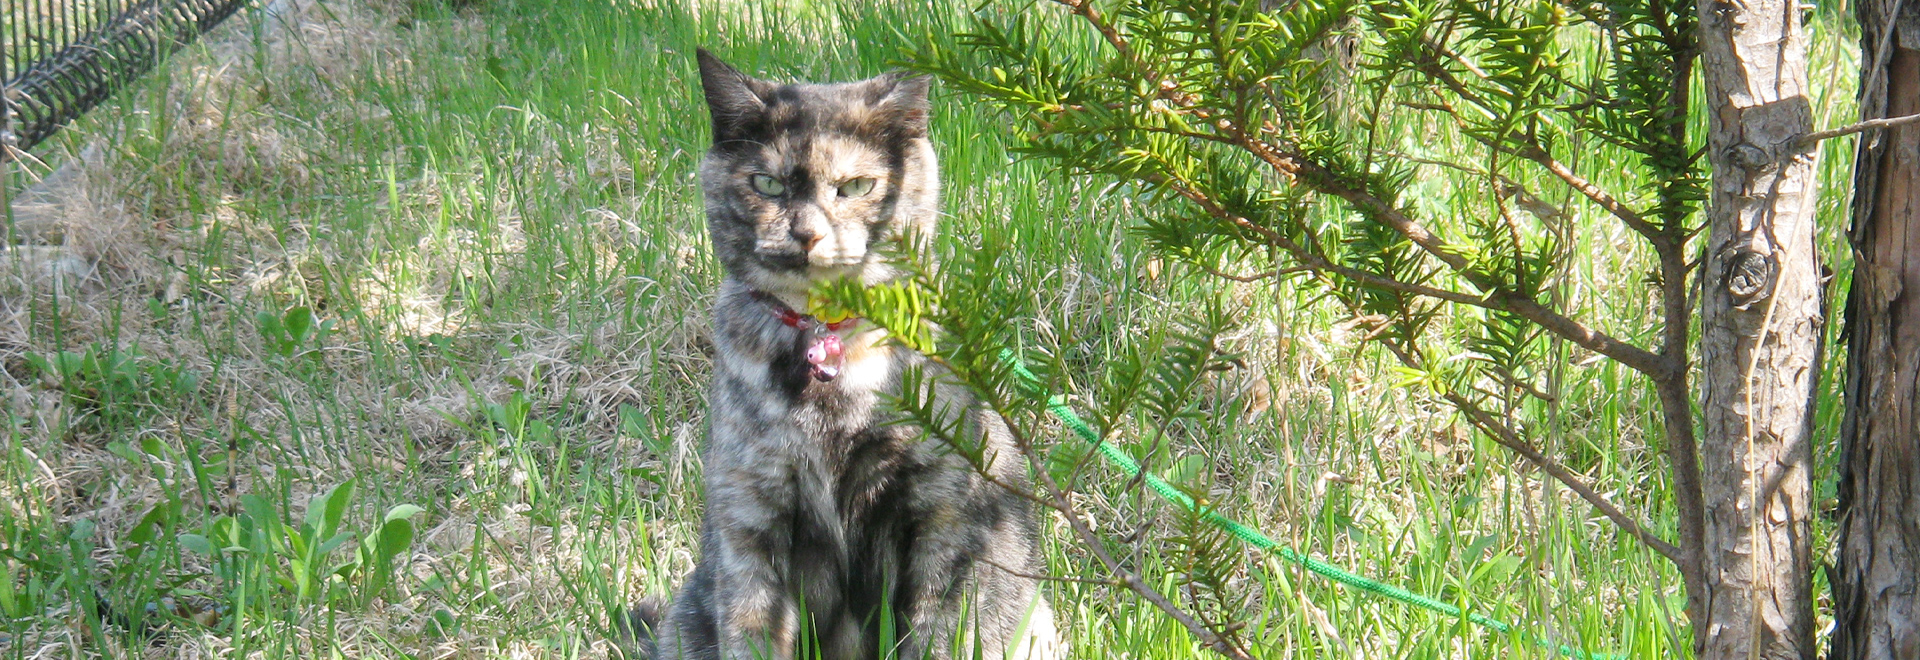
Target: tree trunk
column 1761, row 325
column 1876, row 581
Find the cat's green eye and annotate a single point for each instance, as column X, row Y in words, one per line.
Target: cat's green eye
column 856, row 187
column 767, row 185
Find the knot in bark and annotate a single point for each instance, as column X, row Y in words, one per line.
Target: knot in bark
column 1749, row 275
column 1750, row 157
column 1726, row 14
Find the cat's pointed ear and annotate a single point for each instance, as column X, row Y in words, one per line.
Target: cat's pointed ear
column 733, row 99
column 901, row 98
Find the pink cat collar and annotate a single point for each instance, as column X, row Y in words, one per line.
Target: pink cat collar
column 825, row 353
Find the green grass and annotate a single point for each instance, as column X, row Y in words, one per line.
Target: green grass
column 455, row 254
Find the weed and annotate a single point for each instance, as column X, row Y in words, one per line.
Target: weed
column 108, row 388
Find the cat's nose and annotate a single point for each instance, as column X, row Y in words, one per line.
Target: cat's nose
column 806, row 236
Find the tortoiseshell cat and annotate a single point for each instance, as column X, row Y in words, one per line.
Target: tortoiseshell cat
column 823, row 521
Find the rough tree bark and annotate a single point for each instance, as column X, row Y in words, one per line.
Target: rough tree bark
column 1876, row 577
column 1761, row 323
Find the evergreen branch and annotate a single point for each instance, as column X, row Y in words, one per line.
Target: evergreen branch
column 1634, row 357
column 1315, row 261
column 1639, row 359
column 1498, row 297
column 1599, row 196
column 1532, row 151
column 1325, row 181
column 1507, row 437
column 1209, row 638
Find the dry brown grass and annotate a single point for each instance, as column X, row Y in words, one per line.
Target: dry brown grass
column 179, row 172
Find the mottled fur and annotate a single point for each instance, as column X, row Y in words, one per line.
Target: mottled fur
column 822, row 521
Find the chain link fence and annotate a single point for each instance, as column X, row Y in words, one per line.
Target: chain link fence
column 59, row 58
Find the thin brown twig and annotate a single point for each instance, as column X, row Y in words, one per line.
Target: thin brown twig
column 1049, row 578
column 1319, row 263
column 1810, row 139
column 1634, row 357
column 1506, row 214
column 1128, row 578
column 1505, row 436
column 1532, row 151
column 1432, row 67
column 1086, row 11
column 1057, row 500
column 1254, row 277
column 1294, row 165
column 1600, row 197
column 1321, row 179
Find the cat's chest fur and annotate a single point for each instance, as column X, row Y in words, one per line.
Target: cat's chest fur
column 762, row 383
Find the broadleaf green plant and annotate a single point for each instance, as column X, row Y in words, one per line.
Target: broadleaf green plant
column 302, row 561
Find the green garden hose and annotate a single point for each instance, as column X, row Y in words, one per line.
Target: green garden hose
column 1058, row 406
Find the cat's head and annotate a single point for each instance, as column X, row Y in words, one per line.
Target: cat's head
column 804, row 181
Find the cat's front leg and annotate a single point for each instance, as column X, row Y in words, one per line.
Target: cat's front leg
column 971, row 590
column 954, row 529
column 752, row 603
column 750, row 500
column 974, row 543
column 940, row 569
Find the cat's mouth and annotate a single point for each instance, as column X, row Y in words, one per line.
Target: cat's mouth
column 784, row 261
column 835, row 263
column 816, row 273
column 812, row 266
column 791, row 276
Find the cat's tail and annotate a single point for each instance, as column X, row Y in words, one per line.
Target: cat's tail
column 634, row 628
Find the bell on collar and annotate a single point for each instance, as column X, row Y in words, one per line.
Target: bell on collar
column 824, row 355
